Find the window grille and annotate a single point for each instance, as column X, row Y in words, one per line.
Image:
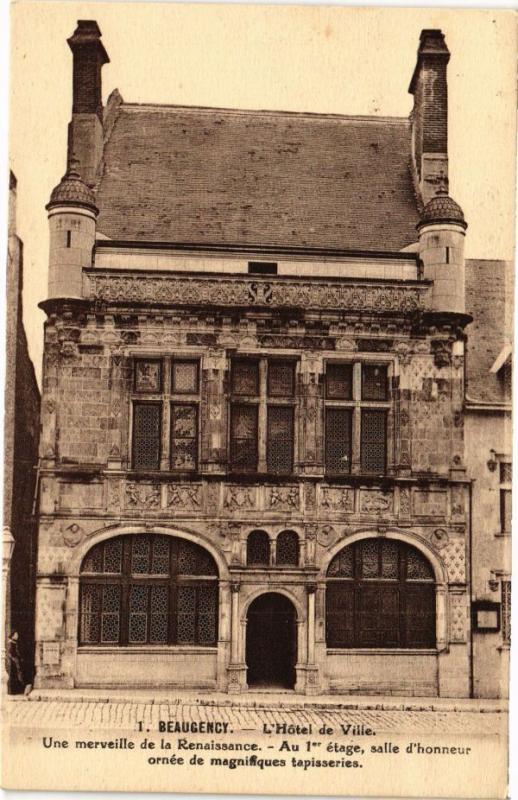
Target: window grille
column 184, row 436
column 245, row 378
column 373, row 441
column 374, row 382
column 380, row 593
column 281, row 379
column 184, row 376
column 506, row 472
column 279, row 451
column 338, row 440
column 258, row 549
column 147, row 432
column 506, row 611
column 243, row 438
column 287, row 549
column 166, row 592
column 339, row 381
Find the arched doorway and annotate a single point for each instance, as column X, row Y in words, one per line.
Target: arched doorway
column 271, row 642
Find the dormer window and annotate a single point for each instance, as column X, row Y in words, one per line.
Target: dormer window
column 262, row 267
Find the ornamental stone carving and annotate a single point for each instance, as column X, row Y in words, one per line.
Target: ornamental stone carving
column 454, row 557
column 338, row 499
column 239, row 498
column 143, row 496
column 375, row 501
column 404, row 501
column 245, row 292
column 73, row 535
column 184, row 496
column 283, row 498
column 439, row 538
column 457, row 618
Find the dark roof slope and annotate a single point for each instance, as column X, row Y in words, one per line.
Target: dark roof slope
column 202, row 175
column 489, row 299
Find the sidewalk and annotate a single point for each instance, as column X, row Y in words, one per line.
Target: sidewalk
column 253, row 699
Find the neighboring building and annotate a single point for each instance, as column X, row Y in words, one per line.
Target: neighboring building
column 489, row 298
column 21, row 439
column 253, row 458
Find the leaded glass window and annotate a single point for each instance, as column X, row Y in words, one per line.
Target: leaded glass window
column 262, row 415
column 339, row 381
column 165, row 427
column 184, row 377
column 148, row 589
column 380, row 593
column 287, row 549
column 374, row 382
column 147, row 434
column 258, row 549
column 184, row 436
column 243, row 437
column 338, row 440
column 281, row 378
column 357, row 406
column 373, row 441
column 245, row 378
column 279, row 449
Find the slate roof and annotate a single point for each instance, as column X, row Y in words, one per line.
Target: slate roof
column 489, row 299
column 200, row 175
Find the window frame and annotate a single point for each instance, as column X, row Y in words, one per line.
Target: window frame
column 167, row 398
column 126, row 579
column 263, row 401
column 357, row 405
column 505, row 496
column 357, row 587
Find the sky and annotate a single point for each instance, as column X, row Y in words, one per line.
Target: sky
column 298, row 58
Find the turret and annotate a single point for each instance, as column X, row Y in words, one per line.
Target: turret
column 72, row 214
column 441, row 247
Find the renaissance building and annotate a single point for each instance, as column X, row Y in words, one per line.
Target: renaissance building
column 253, row 459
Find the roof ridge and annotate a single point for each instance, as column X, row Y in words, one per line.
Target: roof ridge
column 273, row 112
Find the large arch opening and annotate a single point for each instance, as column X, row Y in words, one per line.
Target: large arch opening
column 148, row 589
column 271, row 642
column 380, row 593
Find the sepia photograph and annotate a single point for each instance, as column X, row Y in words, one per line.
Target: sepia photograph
column 258, row 394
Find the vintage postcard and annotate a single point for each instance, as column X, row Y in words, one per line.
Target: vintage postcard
column 258, row 454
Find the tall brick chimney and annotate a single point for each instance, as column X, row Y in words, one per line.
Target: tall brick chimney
column 85, row 131
column 430, row 114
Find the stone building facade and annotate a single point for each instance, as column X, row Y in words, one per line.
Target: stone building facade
column 253, row 466
column 21, row 438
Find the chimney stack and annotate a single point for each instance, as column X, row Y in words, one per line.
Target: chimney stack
column 430, row 114
column 85, row 133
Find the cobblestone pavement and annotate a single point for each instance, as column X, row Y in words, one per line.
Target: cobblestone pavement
column 123, row 716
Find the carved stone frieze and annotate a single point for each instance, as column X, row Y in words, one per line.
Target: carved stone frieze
column 184, row 496
column 375, row 501
column 245, row 292
column 143, row 495
column 283, row 498
column 239, row 498
column 337, row 499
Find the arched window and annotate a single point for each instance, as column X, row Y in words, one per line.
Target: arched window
column 148, row 589
column 258, row 549
column 287, row 552
column 380, row 593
